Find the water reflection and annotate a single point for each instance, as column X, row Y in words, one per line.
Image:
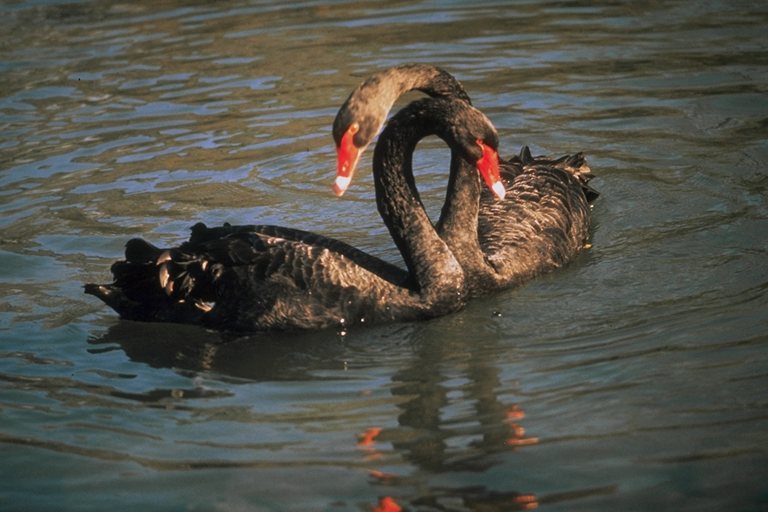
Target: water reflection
column 450, row 416
column 257, row 357
column 475, row 498
column 451, row 419
column 438, row 413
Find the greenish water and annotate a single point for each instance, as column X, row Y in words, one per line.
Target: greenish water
column 633, row 379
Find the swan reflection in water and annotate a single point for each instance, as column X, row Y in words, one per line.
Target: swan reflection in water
column 427, row 435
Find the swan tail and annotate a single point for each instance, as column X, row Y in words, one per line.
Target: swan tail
column 154, row 284
column 575, row 164
column 115, row 298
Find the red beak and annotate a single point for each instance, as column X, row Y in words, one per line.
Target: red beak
column 347, row 156
column 488, row 167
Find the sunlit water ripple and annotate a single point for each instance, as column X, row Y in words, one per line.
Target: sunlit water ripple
column 633, row 379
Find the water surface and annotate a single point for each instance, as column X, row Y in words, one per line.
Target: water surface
column 633, row 379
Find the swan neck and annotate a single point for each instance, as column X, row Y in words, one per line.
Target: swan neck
column 426, row 255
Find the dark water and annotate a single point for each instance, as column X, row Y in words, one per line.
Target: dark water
column 634, row 379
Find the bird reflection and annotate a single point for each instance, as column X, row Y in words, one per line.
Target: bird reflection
column 450, row 415
column 434, row 416
column 438, row 433
column 191, row 349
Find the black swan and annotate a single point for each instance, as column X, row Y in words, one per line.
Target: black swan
column 267, row 277
column 541, row 224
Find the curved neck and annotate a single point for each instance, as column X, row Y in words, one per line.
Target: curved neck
column 462, row 201
column 459, row 218
column 427, row 256
column 373, row 99
column 390, row 84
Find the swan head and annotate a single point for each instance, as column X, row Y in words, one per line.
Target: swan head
column 354, row 128
column 478, row 142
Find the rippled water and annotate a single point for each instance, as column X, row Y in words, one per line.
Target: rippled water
column 634, row 379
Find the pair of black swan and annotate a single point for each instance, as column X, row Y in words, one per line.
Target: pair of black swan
column 541, row 223
column 267, row 277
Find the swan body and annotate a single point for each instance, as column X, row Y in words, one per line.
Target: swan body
column 541, row 225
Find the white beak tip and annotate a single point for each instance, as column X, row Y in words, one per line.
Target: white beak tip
column 498, row 190
column 340, row 185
